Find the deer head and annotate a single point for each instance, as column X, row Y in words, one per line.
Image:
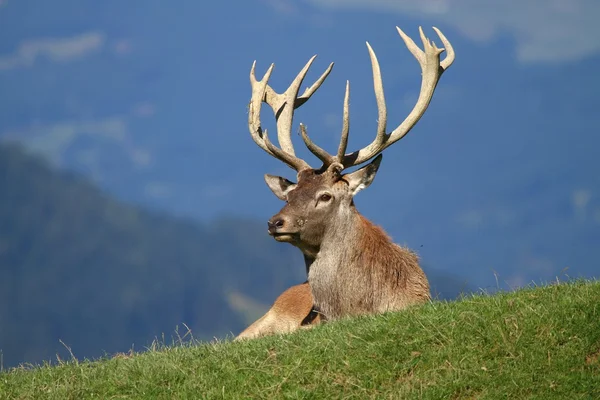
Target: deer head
column 319, row 200
column 322, row 199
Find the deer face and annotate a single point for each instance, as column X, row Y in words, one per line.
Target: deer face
column 318, row 201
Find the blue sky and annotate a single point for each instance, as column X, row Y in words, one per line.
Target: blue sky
column 148, row 99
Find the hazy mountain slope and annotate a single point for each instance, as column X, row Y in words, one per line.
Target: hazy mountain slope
column 100, row 275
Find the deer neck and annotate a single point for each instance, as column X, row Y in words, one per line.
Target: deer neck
column 335, row 263
column 340, row 241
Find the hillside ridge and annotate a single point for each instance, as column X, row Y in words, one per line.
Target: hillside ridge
column 532, row 343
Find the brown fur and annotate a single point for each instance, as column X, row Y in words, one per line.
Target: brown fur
column 367, row 274
column 353, row 266
column 292, row 310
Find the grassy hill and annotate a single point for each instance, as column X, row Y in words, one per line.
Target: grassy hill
column 539, row 342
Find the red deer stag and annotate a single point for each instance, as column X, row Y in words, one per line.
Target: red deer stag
column 353, row 266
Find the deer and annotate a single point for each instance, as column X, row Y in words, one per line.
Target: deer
column 353, row 267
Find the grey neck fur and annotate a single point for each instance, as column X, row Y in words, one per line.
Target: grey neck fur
column 358, row 270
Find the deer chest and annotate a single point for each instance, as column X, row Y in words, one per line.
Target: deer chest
column 338, row 293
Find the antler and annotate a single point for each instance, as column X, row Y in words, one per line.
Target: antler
column 283, row 106
column 432, row 69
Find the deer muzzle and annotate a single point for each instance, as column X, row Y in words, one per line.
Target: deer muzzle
column 281, row 228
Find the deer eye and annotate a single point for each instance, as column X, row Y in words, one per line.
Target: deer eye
column 325, row 197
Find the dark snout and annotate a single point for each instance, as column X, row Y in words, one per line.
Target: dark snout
column 281, row 228
column 275, row 224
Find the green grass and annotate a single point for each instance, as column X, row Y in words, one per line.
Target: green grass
column 539, row 342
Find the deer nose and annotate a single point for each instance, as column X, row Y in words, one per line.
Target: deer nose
column 275, row 224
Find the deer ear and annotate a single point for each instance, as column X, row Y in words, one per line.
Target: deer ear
column 362, row 178
column 279, row 186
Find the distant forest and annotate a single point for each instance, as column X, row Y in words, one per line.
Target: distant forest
column 103, row 276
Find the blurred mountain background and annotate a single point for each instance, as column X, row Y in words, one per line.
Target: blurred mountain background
column 131, row 193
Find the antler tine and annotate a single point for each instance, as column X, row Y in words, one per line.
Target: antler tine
column 311, row 90
column 283, row 106
column 431, row 68
column 379, row 96
column 258, row 94
column 260, row 137
column 325, row 157
column 321, row 154
column 292, row 161
column 345, row 126
column 449, row 59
